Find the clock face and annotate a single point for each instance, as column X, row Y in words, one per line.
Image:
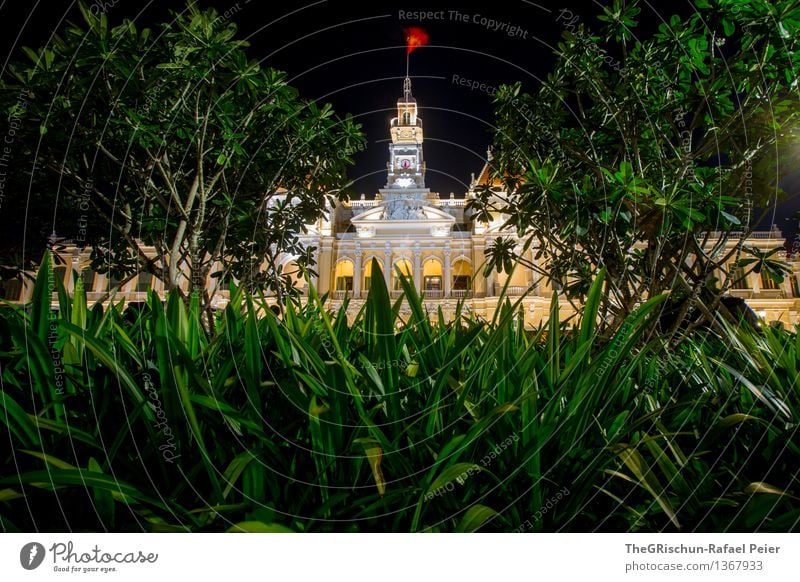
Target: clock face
column 404, row 163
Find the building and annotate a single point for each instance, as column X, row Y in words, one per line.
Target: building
column 430, row 240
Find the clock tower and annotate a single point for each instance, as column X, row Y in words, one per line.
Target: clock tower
column 406, row 164
column 405, row 207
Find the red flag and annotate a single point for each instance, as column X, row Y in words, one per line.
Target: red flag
column 415, row 38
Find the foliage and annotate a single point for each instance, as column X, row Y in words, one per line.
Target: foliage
column 130, row 420
column 639, row 145
column 172, row 138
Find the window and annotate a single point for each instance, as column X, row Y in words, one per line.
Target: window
column 58, row 274
column 432, row 275
column 462, row 276
column 739, row 279
column 767, row 282
column 144, row 282
column 404, row 266
column 398, row 286
column 461, row 282
column 433, row 283
column 88, row 276
column 367, row 270
column 10, row 290
column 345, row 271
column 344, row 283
column 795, row 286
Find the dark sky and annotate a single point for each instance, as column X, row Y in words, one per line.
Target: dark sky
column 353, row 55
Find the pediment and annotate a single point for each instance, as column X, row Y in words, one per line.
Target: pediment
column 386, row 213
column 396, row 217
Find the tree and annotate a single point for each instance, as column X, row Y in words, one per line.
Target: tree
column 635, row 149
column 173, row 138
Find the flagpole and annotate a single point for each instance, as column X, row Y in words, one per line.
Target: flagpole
column 408, row 61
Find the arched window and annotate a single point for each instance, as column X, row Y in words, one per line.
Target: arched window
column 462, row 275
column 432, row 275
column 404, row 265
column 344, row 275
column 517, row 285
column 367, row 270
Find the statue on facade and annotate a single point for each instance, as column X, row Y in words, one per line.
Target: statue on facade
column 403, row 209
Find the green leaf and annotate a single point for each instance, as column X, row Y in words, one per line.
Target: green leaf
column 728, row 27
column 454, row 474
column 731, row 218
column 49, row 459
column 475, row 517
column 17, row 421
column 592, row 307
column 644, row 477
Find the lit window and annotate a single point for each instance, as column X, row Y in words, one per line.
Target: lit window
column 461, row 282
column 433, row 283
column 344, row 283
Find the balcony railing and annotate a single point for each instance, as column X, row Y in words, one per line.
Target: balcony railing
column 734, row 234
column 512, row 290
column 454, row 202
column 426, row 295
column 363, row 203
column 396, row 123
column 769, row 294
column 433, row 294
column 442, row 203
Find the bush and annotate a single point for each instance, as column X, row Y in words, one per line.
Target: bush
column 309, row 423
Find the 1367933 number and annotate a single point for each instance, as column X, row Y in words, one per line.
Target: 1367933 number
column 753, row 565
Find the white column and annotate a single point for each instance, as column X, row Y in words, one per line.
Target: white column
column 387, row 266
column 417, row 268
column 315, row 278
column 536, row 276
column 448, row 279
column 357, row 273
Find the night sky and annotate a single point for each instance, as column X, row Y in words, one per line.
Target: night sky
column 353, row 56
